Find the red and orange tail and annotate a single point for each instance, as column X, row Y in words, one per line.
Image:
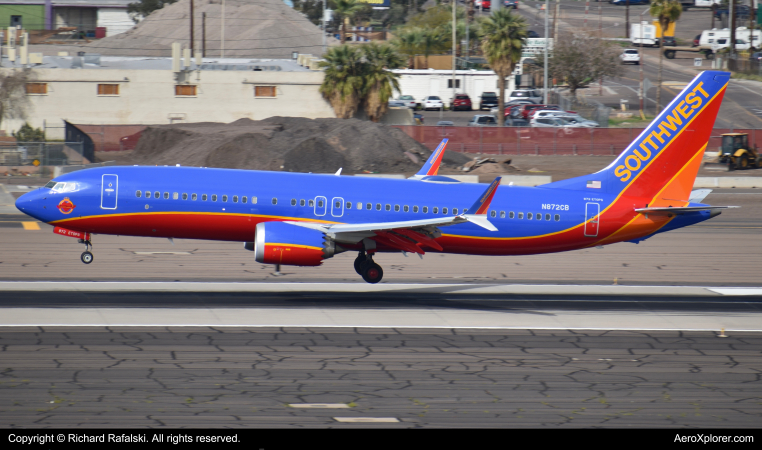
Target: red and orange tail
column 662, row 163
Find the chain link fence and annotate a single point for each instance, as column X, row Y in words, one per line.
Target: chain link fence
column 545, row 141
column 42, row 154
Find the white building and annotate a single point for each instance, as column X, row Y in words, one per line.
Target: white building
column 134, row 90
column 423, row 83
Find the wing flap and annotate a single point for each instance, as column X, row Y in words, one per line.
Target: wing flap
column 680, row 209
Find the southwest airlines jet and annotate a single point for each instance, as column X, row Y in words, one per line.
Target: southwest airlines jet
column 302, row 219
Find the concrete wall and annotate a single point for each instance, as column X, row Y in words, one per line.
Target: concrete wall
column 422, row 83
column 32, row 16
column 148, row 97
column 116, row 20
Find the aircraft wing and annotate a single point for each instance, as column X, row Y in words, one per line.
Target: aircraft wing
column 407, row 235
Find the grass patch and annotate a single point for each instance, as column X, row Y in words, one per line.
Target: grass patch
column 745, row 76
column 630, row 122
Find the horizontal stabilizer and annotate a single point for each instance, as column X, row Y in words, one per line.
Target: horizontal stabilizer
column 681, row 209
column 698, row 195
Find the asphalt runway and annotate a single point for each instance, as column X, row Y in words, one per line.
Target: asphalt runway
column 624, row 336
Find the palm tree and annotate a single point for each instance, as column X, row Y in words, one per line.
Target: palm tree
column 666, row 11
column 345, row 9
column 344, row 80
column 408, row 42
column 434, row 40
column 380, row 83
column 503, row 36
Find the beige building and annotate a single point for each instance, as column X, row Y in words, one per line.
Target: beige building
column 135, row 90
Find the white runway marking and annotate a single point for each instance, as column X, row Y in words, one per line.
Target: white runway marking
column 366, row 419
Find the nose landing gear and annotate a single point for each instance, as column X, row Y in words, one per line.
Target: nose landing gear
column 87, row 256
column 368, row 269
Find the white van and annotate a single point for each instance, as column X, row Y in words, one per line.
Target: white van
column 706, row 3
column 644, row 34
column 709, row 37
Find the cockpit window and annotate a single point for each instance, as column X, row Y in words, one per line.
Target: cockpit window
column 51, row 184
column 65, row 187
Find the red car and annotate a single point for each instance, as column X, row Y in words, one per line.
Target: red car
column 462, row 101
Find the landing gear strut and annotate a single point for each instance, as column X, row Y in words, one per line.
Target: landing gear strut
column 87, row 256
column 367, row 268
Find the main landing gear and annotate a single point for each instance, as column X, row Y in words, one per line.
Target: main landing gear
column 87, row 256
column 367, row 268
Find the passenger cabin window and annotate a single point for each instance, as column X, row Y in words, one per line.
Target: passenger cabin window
column 214, row 197
column 310, row 203
column 415, row 209
column 502, row 214
column 511, row 215
column 444, row 210
column 406, row 208
column 301, row 202
column 194, row 196
column 175, row 195
column 166, row 196
column 396, row 208
column 138, row 194
column 521, row 215
column 275, row 201
column 455, row 211
column 349, row 205
column 547, row 216
column 203, row 197
column 493, row 213
column 435, row 210
column 320, row 203
column 224, row 198
column 148, row 194
column 156, row 194
column 185, row 196
column 235, row 199
column 556, row 217
column 293, row 202
column 425, row 209
column 388, row 207
column 337, row 204
column 529, row 216
column 254, row 200
column 378, row 206
column 244, row 199
column 538, row 216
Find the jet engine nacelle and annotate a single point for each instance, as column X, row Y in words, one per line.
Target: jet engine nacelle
column 282, row 243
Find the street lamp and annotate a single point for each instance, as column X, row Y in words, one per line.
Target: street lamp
column 640, row 63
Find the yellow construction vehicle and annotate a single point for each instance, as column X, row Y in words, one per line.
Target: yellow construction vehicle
column 736, row 152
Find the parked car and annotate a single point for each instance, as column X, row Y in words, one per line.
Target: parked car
column 574, row 119
column 510, row 122
column 525, row 110
column 741, row 11
column 756, row 56
column 511, row 4
column 483, row 4
column 696, row 40
column 445, row 123
column 481, row 120
column 487, row 100
column 551, row 123
column 669, row 41
column 409, row 101
column 532, row 95
column 632, row 2
column 461, row 102
column 432, row 102
column 630, row 56
column 397, row 104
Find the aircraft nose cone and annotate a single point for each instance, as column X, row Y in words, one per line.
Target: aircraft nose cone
column 22, row 203
column 29, row 204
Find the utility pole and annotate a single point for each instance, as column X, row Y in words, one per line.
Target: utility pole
column 203, row 35
column 545, row 64
column 322, row 25
column 627, row 20
column 732, row 27
column 222, row 41
column 191, row 25
column 454, row 44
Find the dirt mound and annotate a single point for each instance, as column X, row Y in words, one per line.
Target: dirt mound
column 292, row 144
column 262, row 29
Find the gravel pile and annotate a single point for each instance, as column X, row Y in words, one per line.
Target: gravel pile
column 291, row 144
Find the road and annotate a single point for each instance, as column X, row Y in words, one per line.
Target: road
column 742, row 105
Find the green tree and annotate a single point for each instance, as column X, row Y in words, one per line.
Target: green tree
column 434, row 40
column 312, row 9
column 666, row 12
column 380, row 82
column 579, row 58
column 142, row 8
column 503, row 36
column 14, row 102
column 29, row 134
column 343, row 83
column 343, row 11
column 408, row 42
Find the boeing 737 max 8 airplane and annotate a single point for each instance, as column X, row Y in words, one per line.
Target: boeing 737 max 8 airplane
column 302, row 219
